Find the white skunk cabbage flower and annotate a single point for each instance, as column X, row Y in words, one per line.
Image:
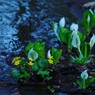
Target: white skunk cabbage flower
column 74, row 27
column 55, row 28
column 75, row 40
column 32, row 54
column 62, row 22
column 50, row 57
column 48, row 54
column 88, row 19
column 84, row 75
column 92, row 41
column 91, row 11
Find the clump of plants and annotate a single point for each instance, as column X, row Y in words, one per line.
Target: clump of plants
column 36, row 61
column 77, row 43
column 85, row 80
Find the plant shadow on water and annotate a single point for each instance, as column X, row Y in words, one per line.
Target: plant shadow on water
column 28, row 21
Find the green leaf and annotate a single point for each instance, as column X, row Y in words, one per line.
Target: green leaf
column 72, row 58
column 93, row 20
column 43, row 72
column 80, row 83
column 89, row 81
column 23, row 62
column 15, row 73
column 69, row 43
column 51, row 89
column 56, row 54
column 76, row 60
column 80, row 35
column 85, row 24
column 83, row 58
column 43, row 63
column 63, row 34
column 35, row 67
column 79, row 60
column 47, row 78
column 39, row 47
column 85, row 49
column 29, row 47
column 24, row 74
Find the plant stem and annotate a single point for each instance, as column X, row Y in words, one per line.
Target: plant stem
column 83, row 83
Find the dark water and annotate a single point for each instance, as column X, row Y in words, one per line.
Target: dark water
column 22, row 21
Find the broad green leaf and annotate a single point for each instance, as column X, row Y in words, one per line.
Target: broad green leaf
column 43, row 62
column 79, row 60
column 29, row 47
column 85, row 49
column 63, row 34
column 80, row 83
column 89, row 81
column 39, row 47
column 85, row 24
column 93, row 20
column 76, row 60
column 56, row 54
column 35, row 67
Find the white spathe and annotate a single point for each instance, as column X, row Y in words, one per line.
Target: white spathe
column 84, row 75
column 62, row 22
column 32, row 54
column 74, row 27
column 75, row 40
column 88, row 19
column 49, row 54
column 91, row 11
column 55, row 28
column 92, row 41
